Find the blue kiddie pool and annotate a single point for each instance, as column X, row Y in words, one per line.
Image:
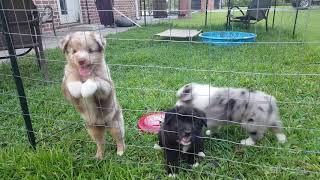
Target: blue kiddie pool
column 227, row 38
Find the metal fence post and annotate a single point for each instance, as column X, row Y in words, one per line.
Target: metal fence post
column 206, row 18
column 88, row 15
column 274, row 12
column 17, row 78
column 144, row 15
column 295, row 22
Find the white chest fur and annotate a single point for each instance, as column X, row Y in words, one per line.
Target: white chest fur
column 185, row 148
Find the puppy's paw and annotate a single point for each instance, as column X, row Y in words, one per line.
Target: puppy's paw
column 99, row 156
column 172, row 175
column 195, row 165
column 88, row 88
column 208, row 132
column 156, row 147
column 120, row 153
column 201, row 154
column 247, row 142
column 281, row 138
column 74, row 88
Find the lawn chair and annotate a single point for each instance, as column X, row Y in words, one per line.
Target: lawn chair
column 47, row 17
column 257, row 11
column 20, row 29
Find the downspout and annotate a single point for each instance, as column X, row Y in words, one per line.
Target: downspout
column 137, row 9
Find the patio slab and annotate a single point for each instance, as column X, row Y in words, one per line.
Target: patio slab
column 179, row 33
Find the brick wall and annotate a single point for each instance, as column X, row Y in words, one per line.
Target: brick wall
column 92, row 10
column 210, row 5
column 126, row 7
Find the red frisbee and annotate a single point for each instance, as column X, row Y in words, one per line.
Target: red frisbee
column 150, row 123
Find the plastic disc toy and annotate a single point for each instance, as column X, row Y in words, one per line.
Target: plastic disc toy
column 150, row 123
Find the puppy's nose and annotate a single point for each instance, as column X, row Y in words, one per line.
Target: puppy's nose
column 81, row 62
column 187, row 133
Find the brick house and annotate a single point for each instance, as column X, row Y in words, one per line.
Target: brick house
column 73, row 12
column 201, row 4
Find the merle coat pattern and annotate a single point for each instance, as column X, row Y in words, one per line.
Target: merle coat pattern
column 179, row 124
column 255, row 111
column 88, row 85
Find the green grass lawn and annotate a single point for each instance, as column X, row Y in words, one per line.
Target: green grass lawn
column 147, row 74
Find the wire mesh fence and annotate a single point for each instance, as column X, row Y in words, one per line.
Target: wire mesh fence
column 147, row 71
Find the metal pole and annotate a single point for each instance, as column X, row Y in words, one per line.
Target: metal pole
column 88, row 15
column 140, row 8
column 144, row 14
column 17, row 79
column 295, row 22
column 228, row 15
column 274, row 12
column 206, row 18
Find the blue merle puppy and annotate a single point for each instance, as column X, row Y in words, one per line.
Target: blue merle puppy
column 255, row 111
column 180, row 137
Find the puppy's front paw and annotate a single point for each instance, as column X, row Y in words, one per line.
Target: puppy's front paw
column 74, row 88
column 99, row 156
column 195, row 165
column 172, row 175
column 201, row 154
column 88, row 88
column 120, row 153
column 247, row 142
column 208, row 132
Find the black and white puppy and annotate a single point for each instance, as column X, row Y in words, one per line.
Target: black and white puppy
column 180, row 137
column 256, row 111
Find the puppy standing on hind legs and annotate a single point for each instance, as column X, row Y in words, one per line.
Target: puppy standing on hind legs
column 87, row 84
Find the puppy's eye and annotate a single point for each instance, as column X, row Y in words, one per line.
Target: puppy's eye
column 187, row 91
column 90, row 50
column 74, row 51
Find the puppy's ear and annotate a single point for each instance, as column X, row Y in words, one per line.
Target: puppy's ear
column 170, row 116
column 204, row 121
column 101, row 41
column 63, row 44
column 201, row 122
column 186, row 93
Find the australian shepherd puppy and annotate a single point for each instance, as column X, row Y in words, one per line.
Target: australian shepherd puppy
column 87, row 84
column 180, row 136
column 255, row 111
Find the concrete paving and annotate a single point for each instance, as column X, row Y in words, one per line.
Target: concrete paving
column 49, row 40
